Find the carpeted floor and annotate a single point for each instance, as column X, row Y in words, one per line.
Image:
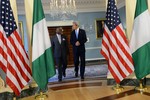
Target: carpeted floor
column 90, row 71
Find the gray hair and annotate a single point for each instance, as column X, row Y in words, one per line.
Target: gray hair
column 76, row 23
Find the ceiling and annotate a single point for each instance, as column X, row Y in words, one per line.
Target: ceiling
column 82, row 5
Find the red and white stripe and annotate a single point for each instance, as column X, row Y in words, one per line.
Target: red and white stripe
column 14, row 61
column 116, row 50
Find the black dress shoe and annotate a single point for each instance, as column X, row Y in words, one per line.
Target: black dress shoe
column 64, row 74
column 76, row 74
column 82, row 77
column 59, row 80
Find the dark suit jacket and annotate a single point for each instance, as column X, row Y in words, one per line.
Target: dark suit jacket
column 81, row 38
column 59, row 50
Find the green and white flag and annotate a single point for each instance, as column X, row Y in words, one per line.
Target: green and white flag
column 140, row 40
column 42, row 60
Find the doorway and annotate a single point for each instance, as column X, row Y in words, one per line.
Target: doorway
column 67, row 32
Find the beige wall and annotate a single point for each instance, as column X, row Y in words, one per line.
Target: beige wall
column 130, row 10
column 14, row 8
column 29, row 14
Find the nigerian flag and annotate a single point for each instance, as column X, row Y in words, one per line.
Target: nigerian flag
column 42, row 60
column 140, row 39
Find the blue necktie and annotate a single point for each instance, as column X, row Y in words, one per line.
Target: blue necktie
column 76, row 34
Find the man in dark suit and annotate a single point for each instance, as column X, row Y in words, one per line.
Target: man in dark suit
column 60, row 51
column 78, row 39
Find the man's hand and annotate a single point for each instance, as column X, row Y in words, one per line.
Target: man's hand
column 77, row 43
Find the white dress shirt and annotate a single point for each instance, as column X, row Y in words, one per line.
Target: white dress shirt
column 59, row 38
column 77, row 32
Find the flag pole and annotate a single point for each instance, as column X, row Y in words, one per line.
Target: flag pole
column 142, row 88
column 144, row 80
column 41, row 96
column 14, row 96
column 118, row 88
column 28, row 14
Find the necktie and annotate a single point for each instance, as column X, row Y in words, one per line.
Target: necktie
column 76, row 34
column 59, row 38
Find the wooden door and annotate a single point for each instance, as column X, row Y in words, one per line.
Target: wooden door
column 67, row 32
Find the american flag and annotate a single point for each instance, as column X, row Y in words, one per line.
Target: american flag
column 13, row 58
column 115, row 45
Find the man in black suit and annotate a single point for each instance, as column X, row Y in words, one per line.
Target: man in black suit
column 78, row 39
column 60, row 51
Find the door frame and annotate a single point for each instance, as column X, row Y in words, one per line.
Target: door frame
column 60, row 24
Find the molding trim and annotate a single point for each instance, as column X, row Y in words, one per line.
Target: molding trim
column 93, row 48
column 92, row 59
column 59, row 23
column 82, row 6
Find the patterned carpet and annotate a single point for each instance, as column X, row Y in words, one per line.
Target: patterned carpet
column 90, row 71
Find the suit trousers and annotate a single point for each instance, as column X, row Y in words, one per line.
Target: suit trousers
column 80, row 55
column 61, row 66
